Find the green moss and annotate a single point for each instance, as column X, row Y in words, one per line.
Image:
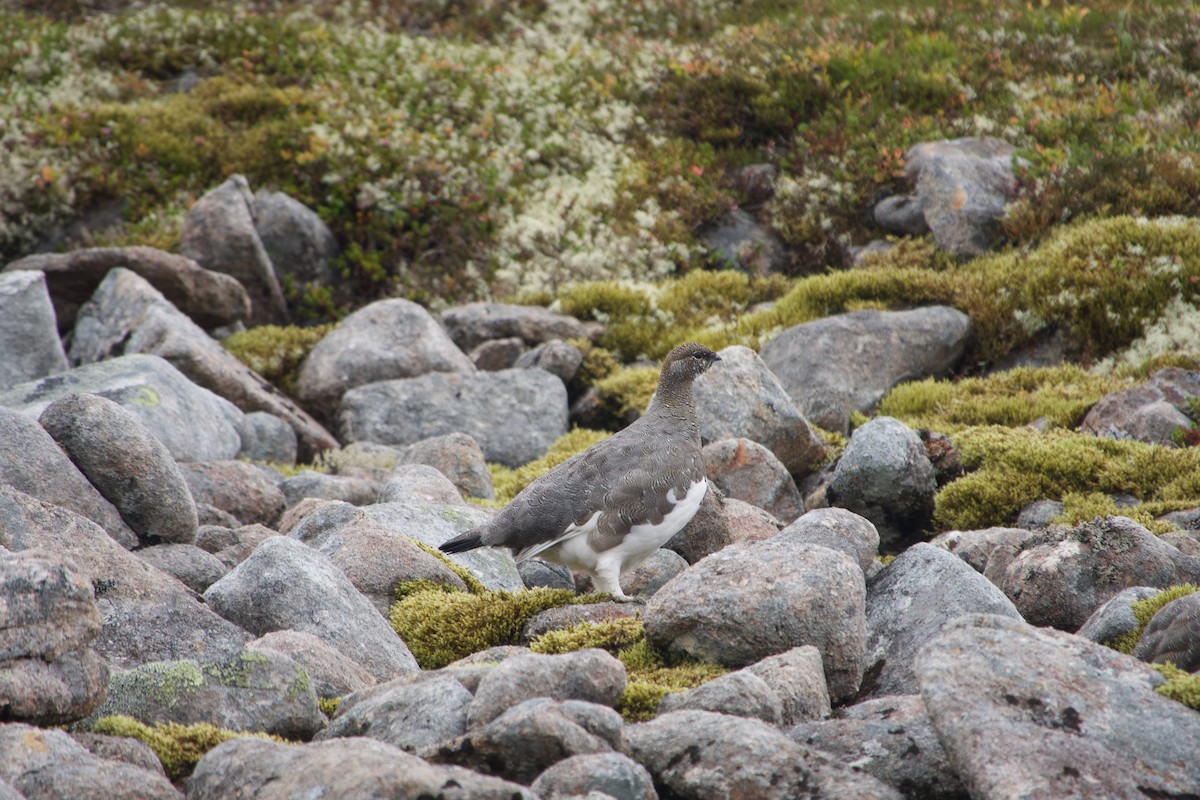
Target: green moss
column 274, row 351
column 1079, row 507
column 178, row 747
column 1182, row 687
column 344, row 459
column 167, row 680
column 440, row 627
column 508, row 483
column 625, row 394
column 1144, row 611
column 611, row 635
column 474, row 585
column 1011, row 467
column 597, row 363
column 329, row 706
column 1012, row 398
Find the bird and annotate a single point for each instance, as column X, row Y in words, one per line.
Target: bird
column 605, row 510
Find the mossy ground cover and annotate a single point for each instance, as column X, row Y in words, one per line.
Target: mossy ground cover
column 1144, row 611
column 178, row 747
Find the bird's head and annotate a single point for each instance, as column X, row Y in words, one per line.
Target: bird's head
column 687, row 361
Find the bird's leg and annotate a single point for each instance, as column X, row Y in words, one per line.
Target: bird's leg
column 607, row 579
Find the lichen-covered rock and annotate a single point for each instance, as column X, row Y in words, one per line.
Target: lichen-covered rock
column 1115, row 618
column 976, row 547
column 909, row 602
column 608, row 774
column 798, row 678
column 749, row 523
column 837, row 529
column 1028, row 711
column 29, row 343
column 382, row 341
column 41, row 763
column 287, row 585
column 195, row 568
column 890, row 738
column 457, row 456
column 886, row 476
column 748, row 471
column 514, row 414
column 130, row 467
column 219, row 233
column 561, row 618
column 1150, row 412
column 419, row 483
column 472, row 324
column 332, row 672
column 1060, row 577
column 247, row 491
column 263, row 770
column 591, row 675
column 702, row 754
column 750, row 601
column 844, row 363
column 744, row 400
column 32, row 463
column 193, row 423
column 739, row 694
column 413, row 716
column 49, row 673
column 1173, row 634
column 128, row 316
column 211, row 299
column 531, row 736
column 255, row 691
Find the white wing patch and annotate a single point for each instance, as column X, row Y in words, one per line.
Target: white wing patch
column 573, row 531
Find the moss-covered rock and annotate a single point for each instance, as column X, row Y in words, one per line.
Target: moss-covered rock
column 178, row 747
column 1182, row 687
column 1144, row 611
column 275, row 351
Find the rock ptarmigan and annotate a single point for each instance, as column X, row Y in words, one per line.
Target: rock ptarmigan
column 605, row 510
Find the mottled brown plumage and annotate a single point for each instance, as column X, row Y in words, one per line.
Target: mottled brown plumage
column 607, row 508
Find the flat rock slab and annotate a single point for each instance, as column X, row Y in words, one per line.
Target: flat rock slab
column 1036, row 713
column 848, row 362
column 514, row 414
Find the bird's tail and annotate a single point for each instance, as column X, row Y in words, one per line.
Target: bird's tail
column 463, row 542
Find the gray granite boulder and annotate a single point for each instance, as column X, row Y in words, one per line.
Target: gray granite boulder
column 497, row 354
column 46, row 763
column 29, row 343
column 418, row 483
column 609, row 774
column 31, row 462
column 590, row 675
column 333, row 673
column 739, row 694
column 232, row 546
column 130, row 467
column 287, row 585
column 708, row 755
column 962, row 188
column 249, row 492
column 515, row 414
column 343, row 488
column 433, row 523
column 750, row 601
column 210, row 299
column 739, row 241
column 472, row 324
column 344, row 768
column 1150, row 412
column 744, row 400
column 300, row 245
column 49, row 673
column 556, row 357
column 266, row 437
column 385, row 340
column 127, row 316
column 1030, row 711
column 1115, row 618
column 976, row 547
column 254, row 691
column 193, row 423
column 798, row 678
column 219, row 234
column 837, row 529
column 833, row 366
column 909, row 602
column 193, row 567
column 1173, row 634
column 457, row 456
column 890, row 738
column 748, row 471
column 1059, row 578
column 885, row 476
column 533, row 735
column 412, row 715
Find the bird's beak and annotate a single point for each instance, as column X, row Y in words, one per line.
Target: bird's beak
column 716, row 357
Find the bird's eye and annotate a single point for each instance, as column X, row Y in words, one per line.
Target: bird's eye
column 697, row 355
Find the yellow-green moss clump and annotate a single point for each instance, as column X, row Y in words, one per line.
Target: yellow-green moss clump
column 440, row 627
column 624, row 395
column 177, row 746
column 1144, row 611
column 1012, row 467
column 1012, row 398
column 275, row 351
column 508, row 483
column 651, row 674
column 329, row 705
column 1182, row 687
